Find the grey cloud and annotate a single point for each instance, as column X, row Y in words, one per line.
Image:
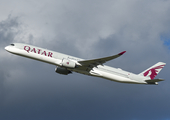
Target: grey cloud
column 88, row 29
column 8, row 30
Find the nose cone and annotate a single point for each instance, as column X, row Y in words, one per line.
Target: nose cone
column 7, row 48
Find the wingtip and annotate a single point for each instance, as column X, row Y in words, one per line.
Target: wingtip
column 122, row 53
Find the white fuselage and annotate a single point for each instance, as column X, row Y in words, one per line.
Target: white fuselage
column 55, row 58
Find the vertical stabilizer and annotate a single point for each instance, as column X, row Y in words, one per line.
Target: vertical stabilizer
column 153, row 71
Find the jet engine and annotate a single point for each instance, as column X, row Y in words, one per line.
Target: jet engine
column 63, row 71
column 68, row 63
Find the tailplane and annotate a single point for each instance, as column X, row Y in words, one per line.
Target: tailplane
column 153, row 71
column 154, row 81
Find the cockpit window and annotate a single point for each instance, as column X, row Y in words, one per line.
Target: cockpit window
column 12, row 45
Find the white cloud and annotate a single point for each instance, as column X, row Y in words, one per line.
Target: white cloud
column 87, row 22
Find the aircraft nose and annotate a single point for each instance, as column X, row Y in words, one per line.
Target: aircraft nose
column 7, row 48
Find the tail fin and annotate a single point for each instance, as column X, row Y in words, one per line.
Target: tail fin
column 153, row 71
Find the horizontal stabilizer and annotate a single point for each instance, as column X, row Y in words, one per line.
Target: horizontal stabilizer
column 154, row 80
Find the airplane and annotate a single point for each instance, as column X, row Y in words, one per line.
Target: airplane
column 66, row 64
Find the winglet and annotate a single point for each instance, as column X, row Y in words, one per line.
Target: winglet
column 122, row 53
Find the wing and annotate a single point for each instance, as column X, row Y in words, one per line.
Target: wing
column 100, row 61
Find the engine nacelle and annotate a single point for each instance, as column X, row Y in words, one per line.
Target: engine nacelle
column 63, row 71
column 68, row 63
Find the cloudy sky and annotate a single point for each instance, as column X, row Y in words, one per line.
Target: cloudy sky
column 31, row 90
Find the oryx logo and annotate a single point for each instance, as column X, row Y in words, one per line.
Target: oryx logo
column 153, row 71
